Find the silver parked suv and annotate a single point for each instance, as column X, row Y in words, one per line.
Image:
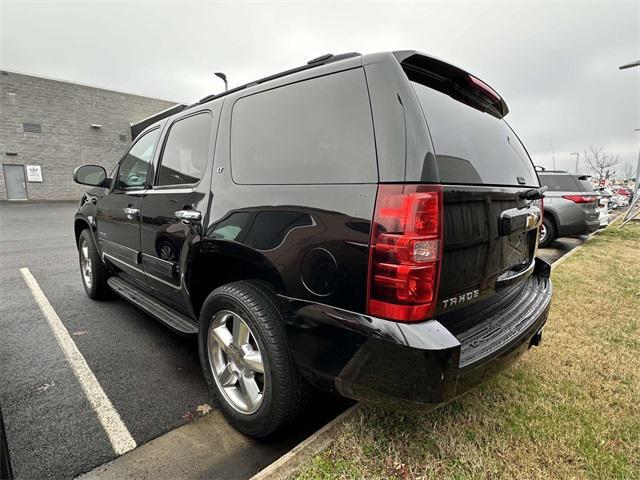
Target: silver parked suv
column 570, row 206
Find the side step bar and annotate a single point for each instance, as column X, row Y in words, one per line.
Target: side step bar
column 153, row 307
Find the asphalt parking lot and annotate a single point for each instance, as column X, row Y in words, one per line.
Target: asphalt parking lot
column 150, row 375
column 559, row 247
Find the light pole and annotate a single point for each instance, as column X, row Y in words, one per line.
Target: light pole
column 224, row 79
column 634, row 198
column 577, row 154
column 635, row 187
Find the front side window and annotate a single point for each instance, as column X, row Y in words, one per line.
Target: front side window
column 311, row 132
column 133, row 170
column 186, row 149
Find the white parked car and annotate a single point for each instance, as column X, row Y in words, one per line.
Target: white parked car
column 612, row 199
column 603, row 216
column 620, row 200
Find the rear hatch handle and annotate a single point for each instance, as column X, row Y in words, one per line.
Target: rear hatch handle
column 519, row 220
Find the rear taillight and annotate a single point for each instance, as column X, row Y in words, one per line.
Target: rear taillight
column 405, row 252
column 581, row 198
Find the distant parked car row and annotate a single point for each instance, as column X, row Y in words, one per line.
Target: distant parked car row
column 570, row 206
column 614, row 198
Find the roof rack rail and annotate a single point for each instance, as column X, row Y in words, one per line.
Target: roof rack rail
column 316, row 62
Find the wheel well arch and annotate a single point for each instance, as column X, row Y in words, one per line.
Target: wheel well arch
column 78, row 226
column 211, row 270
column 549, row 214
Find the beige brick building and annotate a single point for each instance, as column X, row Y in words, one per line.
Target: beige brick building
column 56, row 126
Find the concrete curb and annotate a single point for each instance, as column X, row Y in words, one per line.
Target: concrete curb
column 571, row 252
column 320, row 440
column 307, row 449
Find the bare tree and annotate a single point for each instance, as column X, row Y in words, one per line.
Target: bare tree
column 600, row 162
column 628, row 171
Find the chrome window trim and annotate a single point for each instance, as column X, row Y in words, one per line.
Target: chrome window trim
column 174, row 191
column 155, row 191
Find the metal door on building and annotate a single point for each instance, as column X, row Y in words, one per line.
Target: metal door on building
column 15, row 182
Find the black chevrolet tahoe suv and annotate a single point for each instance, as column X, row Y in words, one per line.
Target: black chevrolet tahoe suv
column 363, row 224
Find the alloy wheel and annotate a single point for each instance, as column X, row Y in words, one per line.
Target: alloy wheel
column 85, row 263
column 543, row 232
column 236, row 362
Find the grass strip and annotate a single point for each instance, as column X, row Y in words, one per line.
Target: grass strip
column 569, row 409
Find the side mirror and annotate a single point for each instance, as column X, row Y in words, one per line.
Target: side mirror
column 92, row 175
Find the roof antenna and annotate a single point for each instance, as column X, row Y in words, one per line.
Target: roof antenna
column 224, row 79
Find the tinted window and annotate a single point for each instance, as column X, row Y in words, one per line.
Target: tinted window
column 133, row 170
column 186, row 149
column 585, row 185
column 559, row 183
column 472, row 146
column 315, row 131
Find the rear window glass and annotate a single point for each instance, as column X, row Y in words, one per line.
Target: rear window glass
column 560, row 183
column 473, row 147
column 314, row 131
column 586, row 185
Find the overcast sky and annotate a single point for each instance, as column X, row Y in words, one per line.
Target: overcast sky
column 556, row 64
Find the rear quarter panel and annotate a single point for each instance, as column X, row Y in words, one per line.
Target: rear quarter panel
column 315, row 235
column 569, row 215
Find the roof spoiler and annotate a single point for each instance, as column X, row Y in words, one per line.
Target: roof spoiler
column 453, row 81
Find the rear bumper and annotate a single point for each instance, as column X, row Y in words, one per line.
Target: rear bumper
column 429, row 363
column 585, row 228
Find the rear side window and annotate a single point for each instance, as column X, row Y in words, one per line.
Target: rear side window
column 184, row 157
column 560, row 183
column 585, row 185
column 314, row 131
column 473, row 147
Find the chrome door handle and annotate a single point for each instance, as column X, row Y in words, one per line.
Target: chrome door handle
column 131, row 213
column 188, row 216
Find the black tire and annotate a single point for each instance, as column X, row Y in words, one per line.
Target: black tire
column 285, row 393
column 550, row 234
column 96, row 287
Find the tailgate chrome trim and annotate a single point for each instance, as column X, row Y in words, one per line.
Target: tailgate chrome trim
column 506, row 280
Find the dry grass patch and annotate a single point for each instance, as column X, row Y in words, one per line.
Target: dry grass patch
column 570, row 409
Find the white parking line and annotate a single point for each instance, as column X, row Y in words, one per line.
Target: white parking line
column 116, row 430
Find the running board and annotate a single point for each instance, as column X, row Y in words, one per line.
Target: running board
column 153, row 307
